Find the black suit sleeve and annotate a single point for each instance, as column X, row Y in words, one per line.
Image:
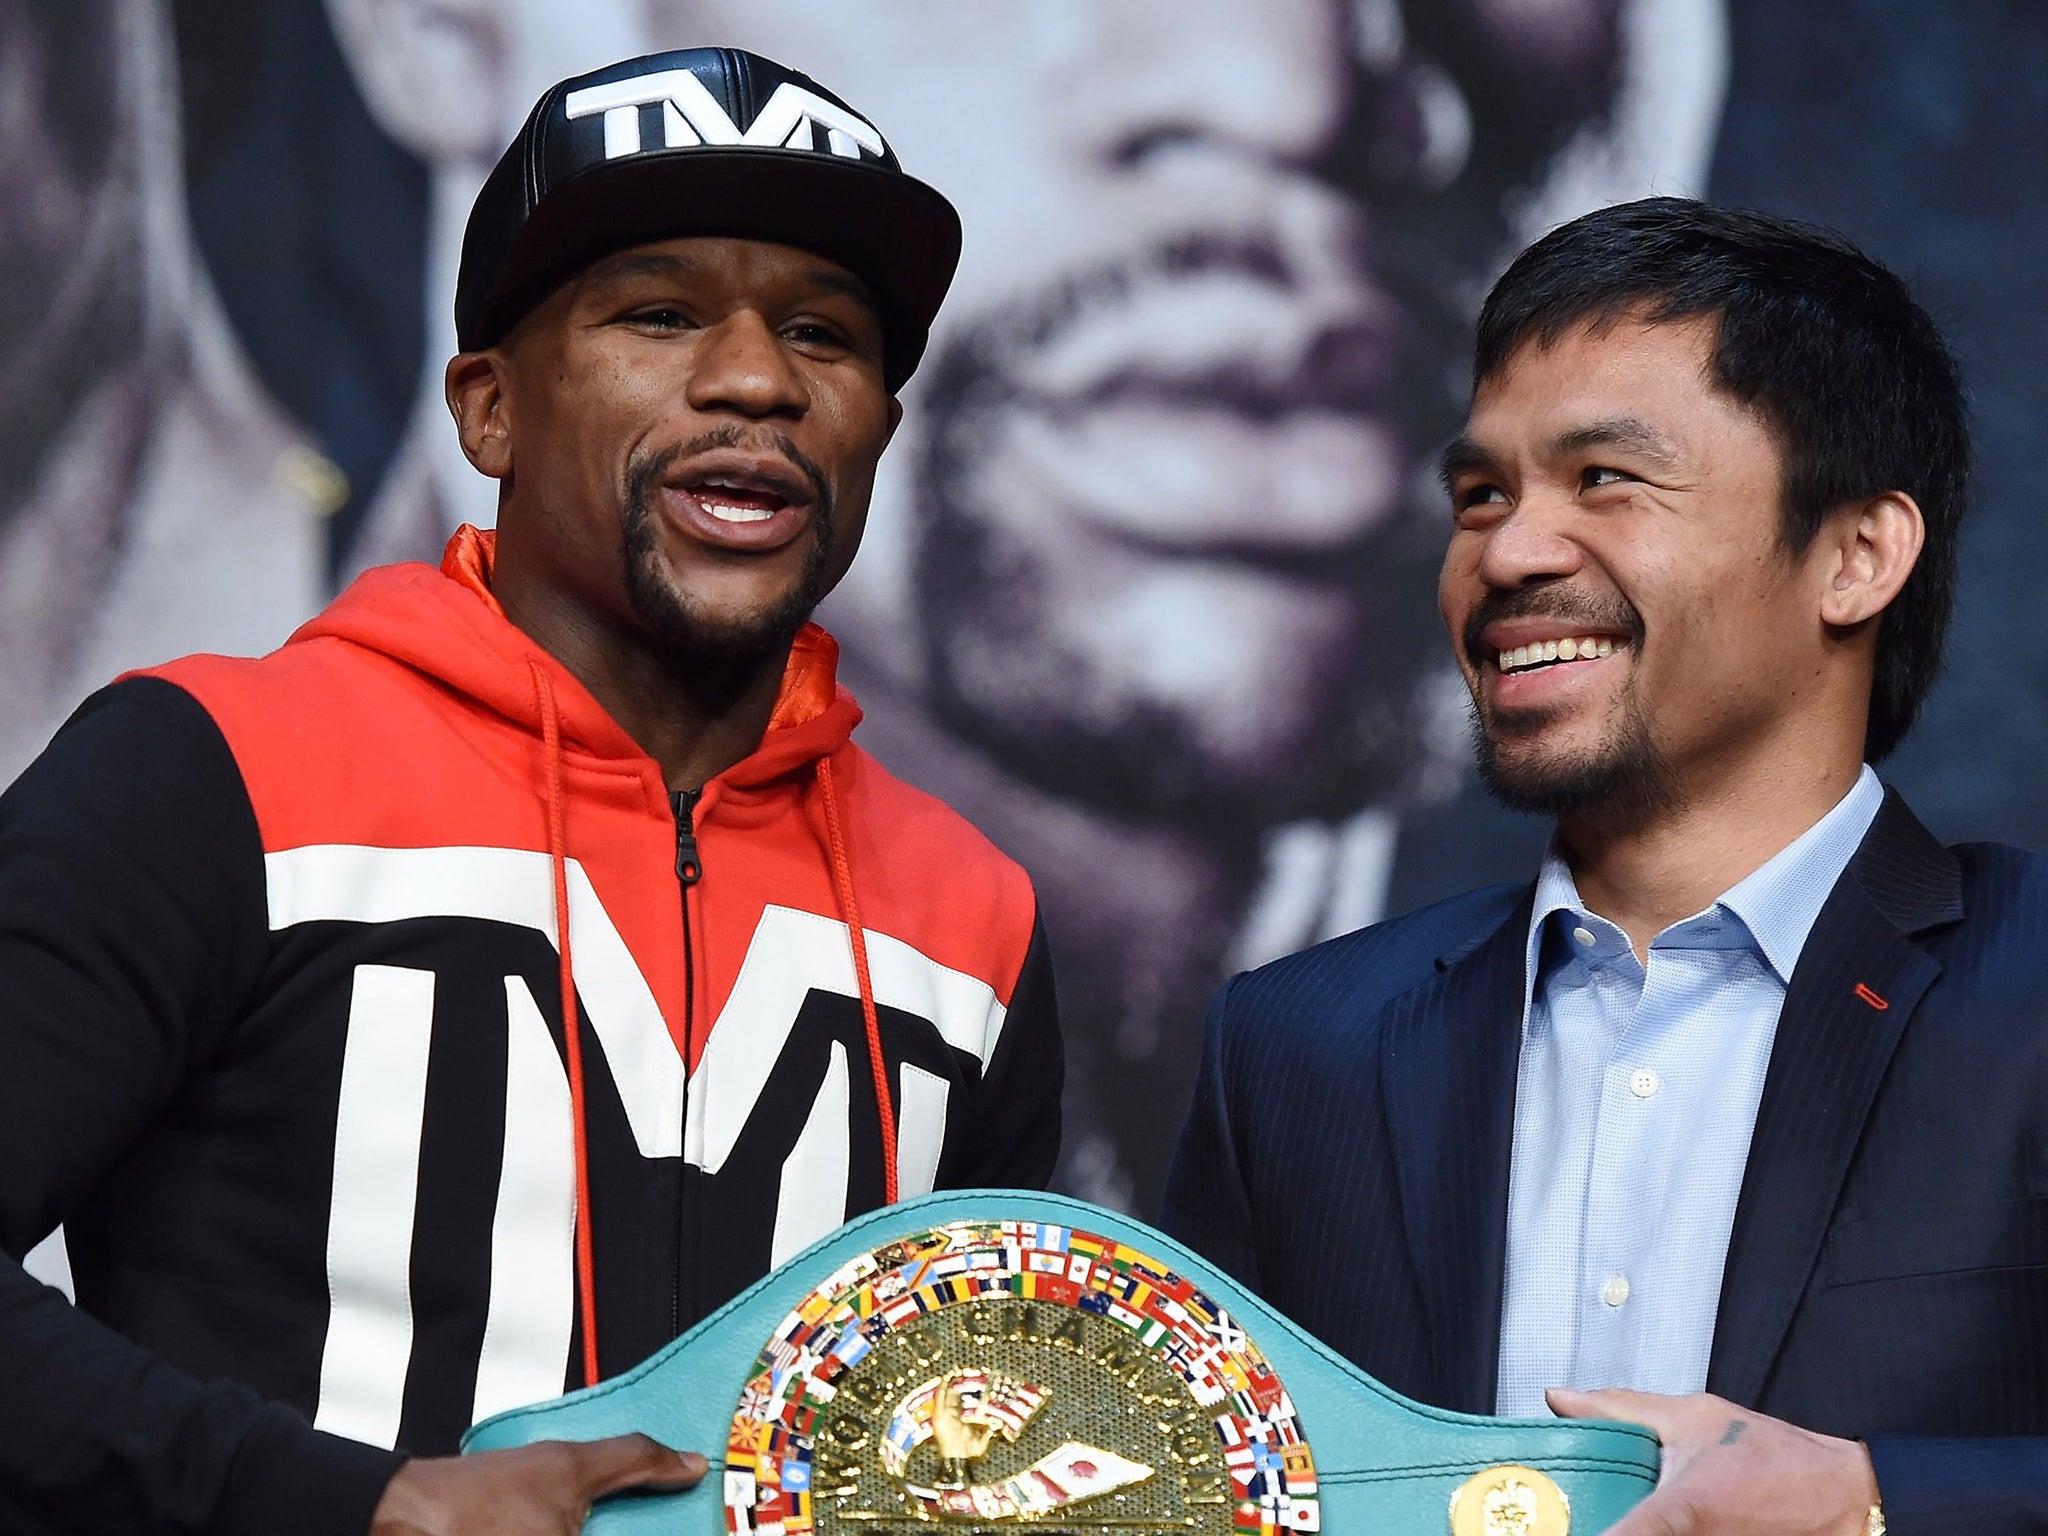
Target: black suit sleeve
column 132, row 927
column 1206, row 1205
column 1015, row 1139
column 1985, row 1487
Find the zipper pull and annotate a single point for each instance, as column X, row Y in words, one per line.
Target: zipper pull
column 689, row 867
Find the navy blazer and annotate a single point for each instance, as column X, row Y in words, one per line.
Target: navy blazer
column 1887, row 1277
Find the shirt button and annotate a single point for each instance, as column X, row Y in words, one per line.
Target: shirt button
column 1584, row 937
column 1615, row 1291
column 1642, row 1082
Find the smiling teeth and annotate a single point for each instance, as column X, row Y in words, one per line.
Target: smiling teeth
column 726, row 514
column 1540, row 652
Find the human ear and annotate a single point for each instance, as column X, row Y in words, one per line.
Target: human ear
column 1875, row 544
column 475, row 387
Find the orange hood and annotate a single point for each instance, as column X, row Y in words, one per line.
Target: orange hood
column 446, row 624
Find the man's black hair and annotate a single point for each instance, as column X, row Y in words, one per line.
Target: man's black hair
column 1823, row 343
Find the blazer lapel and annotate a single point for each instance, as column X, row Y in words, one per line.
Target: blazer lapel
column 1859, row 978
column 1449, row 1056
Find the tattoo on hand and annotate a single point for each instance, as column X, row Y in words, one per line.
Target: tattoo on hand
column 1734, row 1431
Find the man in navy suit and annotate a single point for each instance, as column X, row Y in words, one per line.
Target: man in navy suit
column 1735, row 1123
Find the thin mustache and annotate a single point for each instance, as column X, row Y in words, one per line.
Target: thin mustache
column 1543, row 603
column 1110, row 282
column 1427, row 324
column 644, row 472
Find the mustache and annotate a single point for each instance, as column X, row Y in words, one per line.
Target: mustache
column 1579, row 609
column 647, row 467
column 1396, row 372
column 1413, row 277
column 1110, row 282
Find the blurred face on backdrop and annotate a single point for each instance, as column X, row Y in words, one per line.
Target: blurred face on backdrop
column 1155, row 540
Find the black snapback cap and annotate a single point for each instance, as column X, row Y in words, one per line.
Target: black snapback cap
column 703, row 141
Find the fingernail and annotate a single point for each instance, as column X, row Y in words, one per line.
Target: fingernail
column 692, row 1462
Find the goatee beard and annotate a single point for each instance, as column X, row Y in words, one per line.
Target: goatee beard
column 687, row 635
column 1626, row 779
column 1629, row 781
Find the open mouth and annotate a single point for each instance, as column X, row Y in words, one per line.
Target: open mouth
column 735, row 501
column 744, row 502
column 1538, row 654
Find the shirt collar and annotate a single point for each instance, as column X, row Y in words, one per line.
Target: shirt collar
column 1778, row 903
column 1556, row 892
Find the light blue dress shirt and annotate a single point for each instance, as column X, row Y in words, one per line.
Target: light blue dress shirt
column 1637, row 1095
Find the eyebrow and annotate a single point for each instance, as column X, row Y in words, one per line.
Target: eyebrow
column 839, row 280
column 630, row 264
column 640, row 264
column 1463, row 456
column 1627, row 432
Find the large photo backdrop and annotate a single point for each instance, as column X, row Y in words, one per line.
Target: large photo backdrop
column 1148, row 587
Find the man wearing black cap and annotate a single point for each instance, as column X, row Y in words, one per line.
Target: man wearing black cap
column 461, row 1001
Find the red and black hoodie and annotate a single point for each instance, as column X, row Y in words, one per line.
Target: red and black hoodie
column 287, row 947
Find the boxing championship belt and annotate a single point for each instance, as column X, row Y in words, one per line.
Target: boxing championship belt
column 995, row 1359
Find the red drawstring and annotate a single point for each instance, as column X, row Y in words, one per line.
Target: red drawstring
column 572, row 1029
column 842, row 884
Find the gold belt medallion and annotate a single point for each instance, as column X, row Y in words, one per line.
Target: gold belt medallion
column 1510, row 1501
column 1014, row 1372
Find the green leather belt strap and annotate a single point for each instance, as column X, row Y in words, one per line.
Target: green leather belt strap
column 990, row 1359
